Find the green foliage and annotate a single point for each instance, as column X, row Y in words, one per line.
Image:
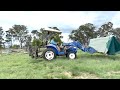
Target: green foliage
column 1, row 36
column 9, row 36
column 56, row 28
column 88, row 31
column 36, row 42
column 20, row 32
column 1, row 47
column 116, row 32
column 28, row 40
column 15, row 46
column 83, row 33
column 104, row 30
column 34, row 31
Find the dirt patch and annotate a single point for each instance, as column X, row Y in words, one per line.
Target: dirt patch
column 113, row 72
column 81, row 76
column 69, row 74
column 86, row 76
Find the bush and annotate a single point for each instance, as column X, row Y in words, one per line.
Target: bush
column 36, row 42
column 15, row 46
column 1, row 47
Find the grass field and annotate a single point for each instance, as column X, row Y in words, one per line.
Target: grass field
column 87, row 66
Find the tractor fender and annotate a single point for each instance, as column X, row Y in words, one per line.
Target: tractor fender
column 53, row 47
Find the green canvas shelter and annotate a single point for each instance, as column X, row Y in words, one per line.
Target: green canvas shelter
column 108, row 45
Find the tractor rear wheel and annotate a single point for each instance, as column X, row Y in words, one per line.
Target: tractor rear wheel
column 49, row 54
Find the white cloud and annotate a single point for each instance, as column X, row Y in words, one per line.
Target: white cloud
column 65, row 38
column 38, row 19
column 116, row 20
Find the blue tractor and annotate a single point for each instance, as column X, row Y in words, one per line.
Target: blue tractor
column 69, row 50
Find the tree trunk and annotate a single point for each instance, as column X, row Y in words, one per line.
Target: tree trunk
column 20, row 44
column 26, row 48
column 11, row 43
column 30, row 50
column 4, row 45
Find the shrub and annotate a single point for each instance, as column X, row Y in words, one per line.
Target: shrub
column 36, row 42
column 16, row 46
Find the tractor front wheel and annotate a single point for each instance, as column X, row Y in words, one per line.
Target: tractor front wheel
column 71, row 56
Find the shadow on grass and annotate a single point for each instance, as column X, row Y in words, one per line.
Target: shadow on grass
column 33, row 60
column 62, row 57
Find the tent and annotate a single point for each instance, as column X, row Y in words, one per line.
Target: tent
column 108, row 45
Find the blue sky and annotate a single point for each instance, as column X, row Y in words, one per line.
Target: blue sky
column 66, row 21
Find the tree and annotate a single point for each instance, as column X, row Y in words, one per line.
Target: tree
column 9, row 36
column 55, row 28
column 105, row 29
column 35, row 32
column 28, row 40
column 84, row 33
column 116, row 32
column 20, row 32
column 1, row 37
column 36, row 44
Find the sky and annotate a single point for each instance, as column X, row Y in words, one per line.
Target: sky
column 66, row 21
